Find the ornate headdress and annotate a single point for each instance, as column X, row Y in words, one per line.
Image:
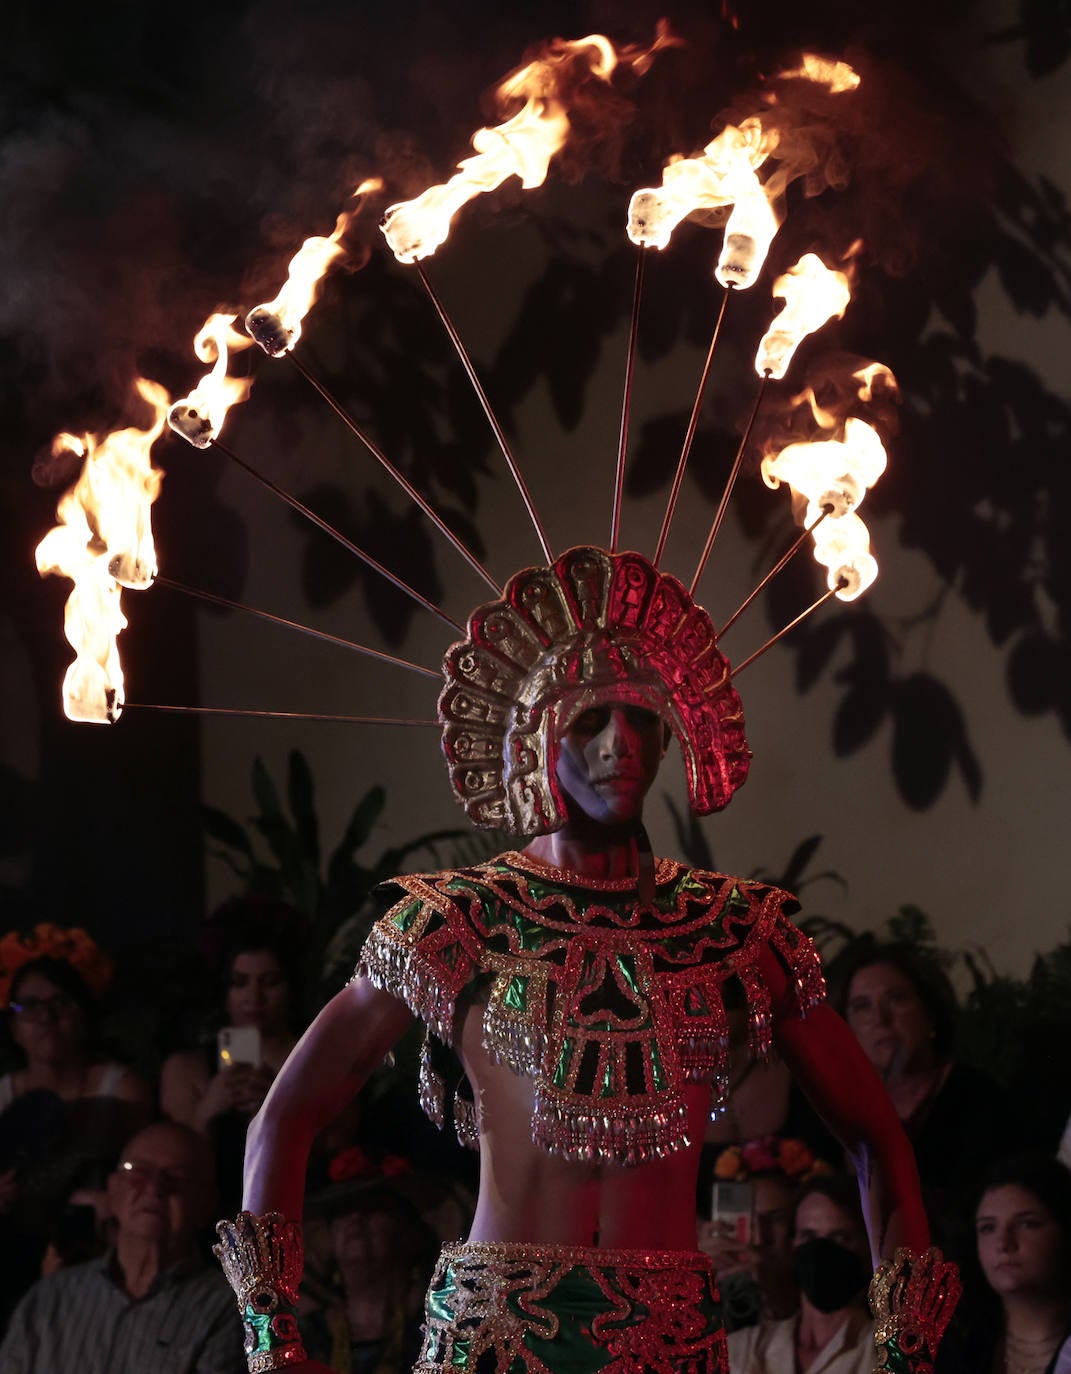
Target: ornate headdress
column 592, row 628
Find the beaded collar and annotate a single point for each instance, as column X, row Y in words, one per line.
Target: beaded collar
column 610, row 1005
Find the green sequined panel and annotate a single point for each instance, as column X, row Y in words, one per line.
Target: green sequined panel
column 532, row 1309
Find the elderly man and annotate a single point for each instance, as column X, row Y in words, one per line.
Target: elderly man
column 150, row 1304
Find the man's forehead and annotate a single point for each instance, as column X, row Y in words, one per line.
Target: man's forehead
column 162, row 1147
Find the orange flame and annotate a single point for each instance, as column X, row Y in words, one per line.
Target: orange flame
column 718, row 177
column 838, row 77
column 103, row 542
column 522, row 146
column 834, row 474
column 276, row 326
column 199, row 416
column 813, row 294
column 725, row 174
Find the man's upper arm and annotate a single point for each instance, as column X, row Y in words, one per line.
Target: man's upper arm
column 331, row 1061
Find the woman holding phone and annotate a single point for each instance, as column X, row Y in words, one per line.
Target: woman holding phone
column 219, row 1087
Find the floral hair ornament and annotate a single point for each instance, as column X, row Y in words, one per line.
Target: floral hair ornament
column 770, row 1154
column 47, row 941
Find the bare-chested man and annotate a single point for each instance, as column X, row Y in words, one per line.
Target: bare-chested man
column 587, row 990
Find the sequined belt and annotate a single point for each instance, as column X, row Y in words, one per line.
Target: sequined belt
column 511, row 1308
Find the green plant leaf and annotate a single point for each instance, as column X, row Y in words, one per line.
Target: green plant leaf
column 226, row 830
column 365, row 814
column 911, row 926
column 241, row 871
column 267, row 797
column 301, row 794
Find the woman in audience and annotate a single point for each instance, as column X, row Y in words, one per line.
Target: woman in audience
column 903, row 1012
column 65, row 1109
column 1016, row 1312
column 831, row 1333
column 217, row 1095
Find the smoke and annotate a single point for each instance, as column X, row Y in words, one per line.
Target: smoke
column 153, row 173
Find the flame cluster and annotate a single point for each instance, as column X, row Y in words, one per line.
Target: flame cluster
column 726, row 174
column 521, row 146
column 103, row 542
column 813, row 294
column 829, row 477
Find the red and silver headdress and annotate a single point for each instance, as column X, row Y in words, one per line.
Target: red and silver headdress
column 593, row 627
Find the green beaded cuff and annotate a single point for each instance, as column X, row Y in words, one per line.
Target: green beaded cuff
column 912, row 1300
column 262, row 1259
column 272, row 1339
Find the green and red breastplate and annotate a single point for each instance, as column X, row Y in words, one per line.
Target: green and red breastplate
column 609, row 1004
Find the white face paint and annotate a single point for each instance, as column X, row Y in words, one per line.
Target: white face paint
column 608, row 759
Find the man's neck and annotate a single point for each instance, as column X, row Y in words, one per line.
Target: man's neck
column 592, row 851
column 816, row 1329
column 141, row 1261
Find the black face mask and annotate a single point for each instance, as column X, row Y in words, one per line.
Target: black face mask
column 829, row 1275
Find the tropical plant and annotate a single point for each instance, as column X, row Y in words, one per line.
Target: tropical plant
column 329, row 890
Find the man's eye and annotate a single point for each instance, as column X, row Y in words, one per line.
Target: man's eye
column 640, row 718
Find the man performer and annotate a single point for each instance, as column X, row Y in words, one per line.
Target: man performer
column 589, row 991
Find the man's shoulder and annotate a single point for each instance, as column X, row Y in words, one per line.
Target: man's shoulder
column 55, row 1287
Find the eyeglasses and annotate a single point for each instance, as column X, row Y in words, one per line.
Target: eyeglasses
column 38, row 1008
column 141, row 1175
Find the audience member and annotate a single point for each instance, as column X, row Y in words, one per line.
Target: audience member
column 64, row 1110
column 151, row 1303
column 383, row 1249
column 259, row 993
column 902, row 1009
column 1015, row 1317
column 755, row 1275
column 831, row 1333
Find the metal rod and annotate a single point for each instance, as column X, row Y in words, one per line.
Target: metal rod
column 826, row 510
column 723, row 504
column 693, row 425
column 293, row 625
column 339, row 538
column 406, row 486
column 790, row 626
column 271, row 715
column 481, row 396
column 626, row 398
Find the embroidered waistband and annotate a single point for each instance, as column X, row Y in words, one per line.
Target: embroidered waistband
column 568, row 1256
column 508, row 1307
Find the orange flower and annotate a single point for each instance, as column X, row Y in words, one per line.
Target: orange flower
column 50, row 941
column 729, row 1162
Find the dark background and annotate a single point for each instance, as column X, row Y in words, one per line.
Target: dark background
column 157, row 162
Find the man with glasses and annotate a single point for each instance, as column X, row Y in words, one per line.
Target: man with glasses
column 150, row 1303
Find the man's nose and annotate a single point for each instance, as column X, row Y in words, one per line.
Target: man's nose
column 618, row 736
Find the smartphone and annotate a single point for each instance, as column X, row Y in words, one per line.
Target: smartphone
column 733, row 1203
column 238, row 1045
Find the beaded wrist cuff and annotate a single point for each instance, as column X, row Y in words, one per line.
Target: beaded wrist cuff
column 912, row 1300
column 262, row 1259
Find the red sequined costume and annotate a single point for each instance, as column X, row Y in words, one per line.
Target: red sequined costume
column 611, row 1005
